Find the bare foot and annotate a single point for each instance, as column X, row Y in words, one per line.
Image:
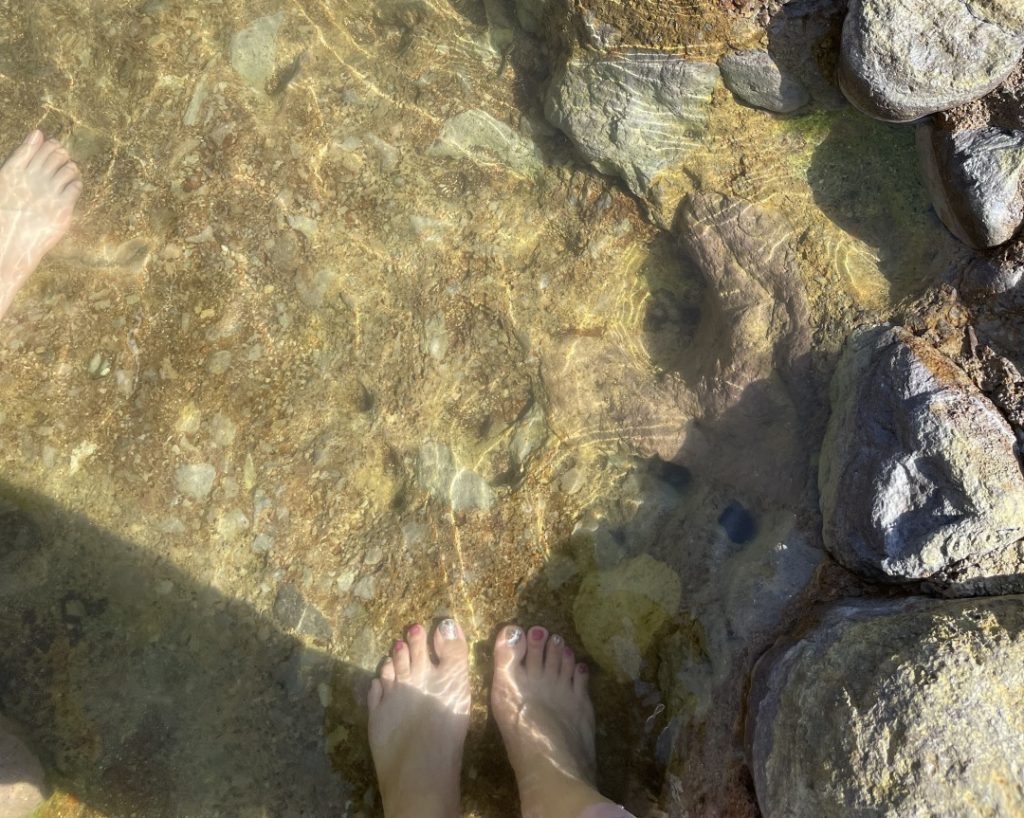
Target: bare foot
column 419, row 715
column 39, row 186
column 21, row 776
column 539, row 698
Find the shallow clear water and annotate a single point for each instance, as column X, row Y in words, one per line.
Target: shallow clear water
column 314, row 364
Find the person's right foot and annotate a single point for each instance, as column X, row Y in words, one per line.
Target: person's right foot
column 39, row 186
column 539, row 699
column 21, row 777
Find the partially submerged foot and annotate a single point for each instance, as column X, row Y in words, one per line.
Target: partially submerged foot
column 419, row 715
column 39, row 186
column 540, row 700
column 21, row 776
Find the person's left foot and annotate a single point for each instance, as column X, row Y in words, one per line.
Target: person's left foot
column 22, row 781
column 39, row 186
column 419, row 716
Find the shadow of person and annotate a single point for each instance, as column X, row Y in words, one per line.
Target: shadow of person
column 146, row 693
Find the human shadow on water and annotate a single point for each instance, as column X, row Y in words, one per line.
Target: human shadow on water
column 146, row 693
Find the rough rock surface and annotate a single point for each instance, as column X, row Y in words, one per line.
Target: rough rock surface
column 902, row 59
column 976, row 181
column 919, row 479
column 803, row 37
column 632, row 114
column 900, row 708
column 755, row 78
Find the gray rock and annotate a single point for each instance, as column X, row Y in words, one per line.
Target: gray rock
column 919, row 479
column 755, row 79
column 196, row 480
column 253, row 50
column 902, row 60
column 440, row 475
column 632, row 114
column 894, row 709
column 976, row 181
column 980, row 274
column 803, row 38
column 531, row 14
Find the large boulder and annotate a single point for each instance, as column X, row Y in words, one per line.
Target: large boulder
column 893, row 709
column 919, row 479
column 902, row 59
column 634, row 113
column 976, row 181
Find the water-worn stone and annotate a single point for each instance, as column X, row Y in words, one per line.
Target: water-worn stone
column 632, row 114
column 479, row 136
column 902, row 59
column 755, row 78
column 976, row 181
column 893, row 709
column 918, row 475
column 619, row 612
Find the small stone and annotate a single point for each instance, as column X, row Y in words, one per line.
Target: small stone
column 571, row 481
column 366, row 588
column 262, row 543
column 100, row 365
column 479, row 136
column 374, row 556
column 253, row 51
column 222, row 430
column 755, row 79
column 219, row 362
column 196, row 480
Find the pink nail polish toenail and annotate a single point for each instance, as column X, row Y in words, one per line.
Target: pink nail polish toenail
column 513, row 637
column 448, row 629
column 567, row 653
column 399, row 645
column 536, row 634
column 414, row 630
column 581, row 668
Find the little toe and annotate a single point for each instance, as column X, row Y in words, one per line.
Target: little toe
column 536, row 641
column 66, row 174
column 27, row 149
column 375, row 694
column 553, row 657
column 400, row 658
column 416, row 636
column 509, row 647
column 450, row 643
column 387, row 672
column 43, row 155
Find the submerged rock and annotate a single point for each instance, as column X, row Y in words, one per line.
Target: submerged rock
column 976, row 181
column 618, row 612
column 441, row 476
column 755, row 78
column 802, row 40
column 479, row 136
column 919, row 478
column 632, row 114
column 902, row 60
column 887, row 709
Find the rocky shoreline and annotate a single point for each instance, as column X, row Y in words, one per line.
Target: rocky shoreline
column 878, row 698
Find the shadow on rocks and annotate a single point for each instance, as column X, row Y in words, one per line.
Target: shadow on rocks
column 147, row 693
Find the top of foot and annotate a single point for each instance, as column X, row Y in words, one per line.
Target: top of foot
column 419, row 715
column 541, row 704
column 39, row 186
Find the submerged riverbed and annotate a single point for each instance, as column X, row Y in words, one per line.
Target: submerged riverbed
column 346, row 335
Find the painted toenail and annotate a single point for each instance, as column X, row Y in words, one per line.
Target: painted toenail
column 556, row 640
column 513, row 637
column 567, row 653
column 415, row 630
column 536, row 634
column 448, row 629
column 399, row 645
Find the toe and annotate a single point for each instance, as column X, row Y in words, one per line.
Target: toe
column 568, row 667
column 509, row 647
column 72, row 190
column 43, row 154
column 56, row 160
column 581, row 680
column 450, row 643
column 27, row 149
column 65, row 175
column 400, row 657
column 374, row 696
column 535, row 644
column 387, row 673
column 416, row 637
column 553, row 657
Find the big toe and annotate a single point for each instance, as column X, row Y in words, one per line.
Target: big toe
column 450, row 643
column 509, row 647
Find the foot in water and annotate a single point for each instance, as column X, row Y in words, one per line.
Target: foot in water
column 21, row 777
column 540, row 700
column 39, row 186
column 419, row 715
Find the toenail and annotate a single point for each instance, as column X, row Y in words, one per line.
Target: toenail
column 513, row 636
column 399, row 645
column 536, row 634
column 448, row 629
column 567, row 653
column 415, row 630
column 556, row 640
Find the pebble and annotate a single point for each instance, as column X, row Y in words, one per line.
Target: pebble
column 196, row 480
